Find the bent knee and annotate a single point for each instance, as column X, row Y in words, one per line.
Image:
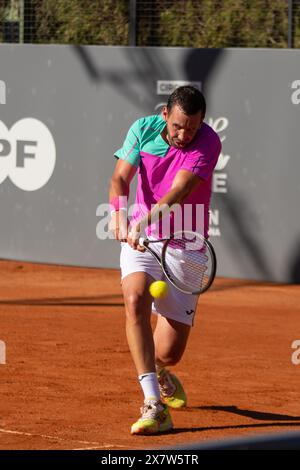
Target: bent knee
column 135, row 307
column 170, row 358
column 133, row 301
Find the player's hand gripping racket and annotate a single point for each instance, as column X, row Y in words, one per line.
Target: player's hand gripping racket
column 187, row 259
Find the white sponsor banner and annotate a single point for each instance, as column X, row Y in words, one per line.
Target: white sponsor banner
column 166, row 87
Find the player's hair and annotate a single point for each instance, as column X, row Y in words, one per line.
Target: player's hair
column 189, row 99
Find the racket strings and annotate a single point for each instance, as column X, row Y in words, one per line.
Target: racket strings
column 188, row 264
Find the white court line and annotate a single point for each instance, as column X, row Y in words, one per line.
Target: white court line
column 104, row 446
column 21, row 433
column 95, row 445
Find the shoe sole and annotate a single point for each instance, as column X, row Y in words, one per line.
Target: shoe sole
column 149, row 432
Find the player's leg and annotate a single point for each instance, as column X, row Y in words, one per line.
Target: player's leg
column 155, row 415
column 170, row 339
column 138, row 303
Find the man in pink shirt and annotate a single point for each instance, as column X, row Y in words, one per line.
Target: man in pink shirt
column 175, row 155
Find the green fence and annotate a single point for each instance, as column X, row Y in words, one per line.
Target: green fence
column 190, row 23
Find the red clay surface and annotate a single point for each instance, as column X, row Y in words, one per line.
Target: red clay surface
column 69, row 382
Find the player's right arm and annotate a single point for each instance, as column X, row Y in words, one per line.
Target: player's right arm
column 128, row 161
column 118, row 196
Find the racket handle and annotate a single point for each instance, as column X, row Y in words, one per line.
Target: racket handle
column 142, row 241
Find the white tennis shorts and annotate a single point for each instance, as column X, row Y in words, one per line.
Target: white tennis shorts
column 176, row 305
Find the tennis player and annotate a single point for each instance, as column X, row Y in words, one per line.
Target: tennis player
column 175, row 154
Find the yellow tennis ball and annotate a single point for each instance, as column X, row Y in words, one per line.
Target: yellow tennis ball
column 158, row 289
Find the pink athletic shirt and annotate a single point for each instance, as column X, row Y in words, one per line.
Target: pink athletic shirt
column 158, row 163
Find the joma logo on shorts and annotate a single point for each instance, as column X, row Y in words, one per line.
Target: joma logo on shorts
column 189, row 312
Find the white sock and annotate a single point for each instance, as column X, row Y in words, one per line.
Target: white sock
column 149, row 384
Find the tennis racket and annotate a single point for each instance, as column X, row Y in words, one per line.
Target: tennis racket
column 187, row 259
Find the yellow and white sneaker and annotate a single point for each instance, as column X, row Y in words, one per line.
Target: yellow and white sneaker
column 171, row 390
column 155, row 418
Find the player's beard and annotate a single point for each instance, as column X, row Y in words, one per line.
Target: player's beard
column 173, row 142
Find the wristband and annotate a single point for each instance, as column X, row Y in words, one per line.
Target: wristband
column 118, row 210
column 118, row 202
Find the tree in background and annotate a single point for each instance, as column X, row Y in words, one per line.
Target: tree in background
column 82, row 21
column 215, row 23
column 9, row 20
column 189, row 23
column 297, row 25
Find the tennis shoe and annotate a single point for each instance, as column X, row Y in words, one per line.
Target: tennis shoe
column 154, row 420
column 171, row 390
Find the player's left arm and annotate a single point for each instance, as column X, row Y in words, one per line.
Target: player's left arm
column 197, row 168
column 184, row 183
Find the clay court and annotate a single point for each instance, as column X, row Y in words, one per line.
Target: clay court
column 69, row 382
